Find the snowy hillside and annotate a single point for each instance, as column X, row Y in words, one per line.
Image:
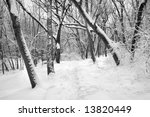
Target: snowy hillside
column 78, row 80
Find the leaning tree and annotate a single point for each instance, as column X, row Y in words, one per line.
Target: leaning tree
column 11, row 4
column 107, row 41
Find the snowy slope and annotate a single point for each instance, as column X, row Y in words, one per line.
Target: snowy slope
column 79, row 80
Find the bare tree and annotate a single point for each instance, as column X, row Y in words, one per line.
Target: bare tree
column 60, row 17
column 137, row 26
column 98, row 30
column 91, row 43
column 22, row 43
column 121, row 17
column 50, row 43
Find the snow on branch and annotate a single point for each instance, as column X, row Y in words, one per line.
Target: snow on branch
column 33, row 17
column 34, row 80
column 12, row 7
column 108, row 42
column 92, row 24
column 74, row 25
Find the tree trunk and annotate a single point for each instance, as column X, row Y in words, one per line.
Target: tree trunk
column 12, row 63
column 2, row 58
column 138, row 23
column 91, row 46
column 5, row 66
column 87, row 51
column 121, row 18
column 1, row 24
column 17, row 57
column 122, row 23
column 17, row 63
column 105, row 51
column 98, row 48
column 1, row 36
column 90, row 41
column 58, row 43
column 22, row 43
column 80, row 44
column 98, row 31
column 60, row 18
column 50, row 48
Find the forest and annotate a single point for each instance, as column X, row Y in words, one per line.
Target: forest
column 74, row 49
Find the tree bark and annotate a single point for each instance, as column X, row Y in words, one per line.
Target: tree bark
column 2, row 58
column 11, row 63
column 121, row 18
column 22, row 43
column 98, row 31
column 64, row 10
column 90, row 41
column 58, row 43
column 138, row 23
column 17, row 56
column 5, row 66
column 50, row 48
column 87, row 51
column 80, row 45
column 122, row 23
column 1, row 36
column 91, row 46
column 98, row 48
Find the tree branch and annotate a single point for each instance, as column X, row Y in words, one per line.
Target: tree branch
column 33, row 17
column 99, row 31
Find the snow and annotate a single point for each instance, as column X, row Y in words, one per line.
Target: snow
column 58, row 46
column 106, row 37
column 78, row 80
column 13, row 7
column 92, row 21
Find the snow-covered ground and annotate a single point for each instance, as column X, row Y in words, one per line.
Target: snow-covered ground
column 78, row 80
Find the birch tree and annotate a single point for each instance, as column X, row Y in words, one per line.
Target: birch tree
column 22, row 43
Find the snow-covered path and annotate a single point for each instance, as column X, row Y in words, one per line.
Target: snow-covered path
column 78, row 80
